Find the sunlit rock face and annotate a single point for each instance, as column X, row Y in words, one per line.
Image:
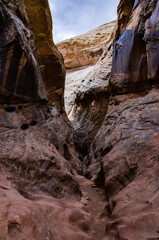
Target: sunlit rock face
column 50, row 59
column 86, row 87
column 86, row 49
column 19, row 69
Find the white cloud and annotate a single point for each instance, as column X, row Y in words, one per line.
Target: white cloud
column 71, row 18
column 63, row 35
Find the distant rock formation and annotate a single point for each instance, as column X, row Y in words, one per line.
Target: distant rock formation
column 86, row 49
column 90, row 83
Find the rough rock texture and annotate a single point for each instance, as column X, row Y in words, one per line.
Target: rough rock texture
column 19, row 69
column 135, row 62
column 86, row 104
column 124, row 154
column 50, row 59
column 86, row 49
column 38, row 157
column 85, row 94
column 42, row 194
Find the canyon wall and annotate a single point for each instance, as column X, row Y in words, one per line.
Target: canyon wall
column 50, row 60
column 38, row 157
column 20, row 75
column 124, row 153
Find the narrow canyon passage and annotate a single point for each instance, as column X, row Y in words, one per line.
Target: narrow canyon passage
column 93, row 173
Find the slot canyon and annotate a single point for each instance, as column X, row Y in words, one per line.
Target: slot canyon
column 79, row 126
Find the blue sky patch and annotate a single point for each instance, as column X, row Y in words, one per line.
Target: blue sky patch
column 75, row 17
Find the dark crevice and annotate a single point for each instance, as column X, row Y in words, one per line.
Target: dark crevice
column 24, row 126
column 67, row 153
column 106, row 150
column 110, row 207
column 33, row 123
column 20, row 107
column 10, row 109
column 100, row 181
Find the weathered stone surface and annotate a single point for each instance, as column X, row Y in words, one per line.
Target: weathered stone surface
column 86, row 49
column 38, row 157
column 42, row 195
column 19, row 69
column 135, row 61
column 90, row 98
column 50, row 59
column 124, row 154
column 41, row 192
column 124, row 11
column 125, row 151
column 86, row 94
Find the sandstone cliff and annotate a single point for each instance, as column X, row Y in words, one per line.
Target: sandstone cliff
column 86, row 49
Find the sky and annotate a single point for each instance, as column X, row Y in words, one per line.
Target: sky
column 74, row 17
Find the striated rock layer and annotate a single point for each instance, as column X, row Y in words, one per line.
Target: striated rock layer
column 86, row 49
column 50, row 60
column 19, row 69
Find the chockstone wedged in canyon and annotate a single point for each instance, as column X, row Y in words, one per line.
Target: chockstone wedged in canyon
column 95, row 177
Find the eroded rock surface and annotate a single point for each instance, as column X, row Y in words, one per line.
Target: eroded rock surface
column 125, row 149
column 19, row 69
column 135, row 62
column 38, row 157
column 85, row 94
column 50, row 59
column 86, row 49
column 43, row 194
